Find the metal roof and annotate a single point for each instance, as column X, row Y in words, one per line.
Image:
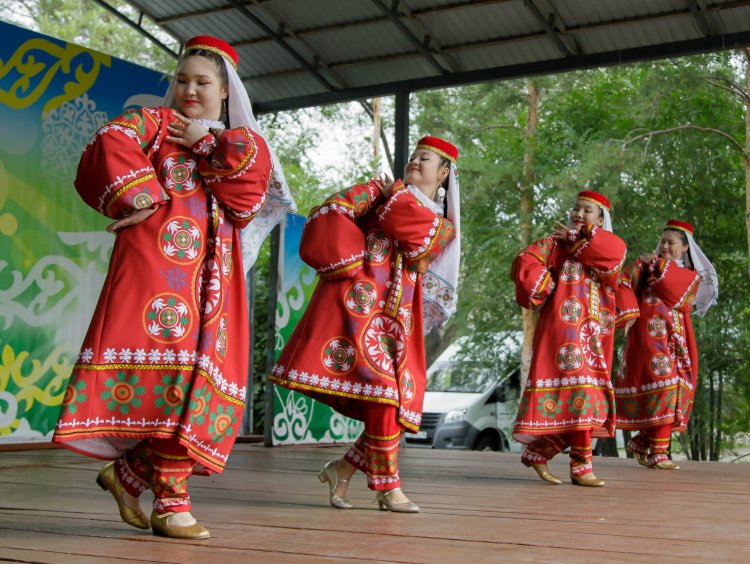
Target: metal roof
column 296, row 53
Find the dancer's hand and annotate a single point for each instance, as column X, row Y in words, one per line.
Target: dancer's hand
column 184, row 131
column 560, row 231
column 647, row 257
column 384, row 184
column 132, row 219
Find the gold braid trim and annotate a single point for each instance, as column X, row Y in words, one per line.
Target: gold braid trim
column 224, row 54
column 127, row 187
column 438, row 151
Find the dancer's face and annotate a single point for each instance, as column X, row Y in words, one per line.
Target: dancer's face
column 672, row 246
column 425, row 171
column 199, row 90
column 584, row 211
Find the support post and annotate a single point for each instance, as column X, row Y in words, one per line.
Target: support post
column 401, row 152
column 273, row 291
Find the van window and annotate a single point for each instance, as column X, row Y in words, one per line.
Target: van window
column 464, row 377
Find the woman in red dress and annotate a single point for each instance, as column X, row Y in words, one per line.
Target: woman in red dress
column 160, row 384
column 387, row 255
column 655, row 385
column 571, row 277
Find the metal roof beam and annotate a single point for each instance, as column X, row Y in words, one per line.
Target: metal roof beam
column 562, row 64
column 421, row 46
column 566, row 48
column 698, row 11
column 137, row 26
column 278, row 37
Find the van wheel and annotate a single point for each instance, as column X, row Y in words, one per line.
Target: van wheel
column 487, row 442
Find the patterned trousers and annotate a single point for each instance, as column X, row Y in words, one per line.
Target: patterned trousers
column 376, row 450
column 162, row 465
column 546, row 447
column 652, row 442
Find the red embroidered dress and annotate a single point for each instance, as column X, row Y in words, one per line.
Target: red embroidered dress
column 656, row 381
column 166, row 353
column 360, row 339
column 574, row 283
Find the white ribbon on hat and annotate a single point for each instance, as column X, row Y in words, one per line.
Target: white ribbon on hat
column 440, row 282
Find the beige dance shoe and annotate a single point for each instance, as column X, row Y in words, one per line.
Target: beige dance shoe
column 134, row 516
column 642, row 459
column 329, row 474
column 386, row 504
column 178, row 526
column 587, row 480
column 665, row 465
column 543, row 472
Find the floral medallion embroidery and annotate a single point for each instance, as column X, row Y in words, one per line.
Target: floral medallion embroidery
column 578, row 403
column 221, row 337
column 180, row 174
column 199, row 404
column 208, row 289
column 653, row 404
column 361, row 297
column 143, row 200
column 167, row 318
column 607, row 321
column 171, row 394
column 407, row 386
column 122, row 393
column 74, row 396
column 339, row 355
column 671, row 400
column 407, row 319
column 572, row 271
column 378, row 247
column 180, row 240
column 678, row 351
column 430, row 285
column 656, row 326
column 631, row 408
column 590, row 332
column 661, row 365
column 221, row 422
column 549, row 405
column 569, row 358
column 383, row 344
column 571, row 310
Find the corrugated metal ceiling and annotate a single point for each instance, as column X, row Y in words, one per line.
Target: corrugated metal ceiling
column 303, row 52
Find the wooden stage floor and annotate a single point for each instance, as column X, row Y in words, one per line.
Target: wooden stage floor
column 268, row 506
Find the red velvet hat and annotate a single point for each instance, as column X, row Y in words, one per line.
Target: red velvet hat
column 679, row 225
column 442, row 148
column 215, row 45
column 599, row 199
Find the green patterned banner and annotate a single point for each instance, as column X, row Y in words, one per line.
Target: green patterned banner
column 298, row 419
column 54, row 250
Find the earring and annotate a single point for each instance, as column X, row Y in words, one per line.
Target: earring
column 441, row 194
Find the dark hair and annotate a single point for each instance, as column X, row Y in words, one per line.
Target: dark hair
column 221, row 70
column 445, row 161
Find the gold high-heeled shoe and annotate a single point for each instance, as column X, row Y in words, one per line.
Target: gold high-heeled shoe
column 642, row 459
column 163, row 528
column 543, row 472
column 329, row 474
column 587, row 479
column 107, row 481
column 385, row 503
column 665, row 465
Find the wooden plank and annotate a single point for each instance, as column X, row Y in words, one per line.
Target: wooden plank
column 269, row 505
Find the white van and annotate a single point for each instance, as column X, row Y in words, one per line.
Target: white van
column 469, row 405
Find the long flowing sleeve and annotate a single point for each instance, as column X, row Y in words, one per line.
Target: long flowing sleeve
column 238, row 172
column 333, row 243
column 672, row 284
column 601, row 250
column 421, row 234
column 115, row 174
column 625, row 297
column 531, row 274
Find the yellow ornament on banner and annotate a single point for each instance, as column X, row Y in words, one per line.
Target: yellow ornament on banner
column 36, row 73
